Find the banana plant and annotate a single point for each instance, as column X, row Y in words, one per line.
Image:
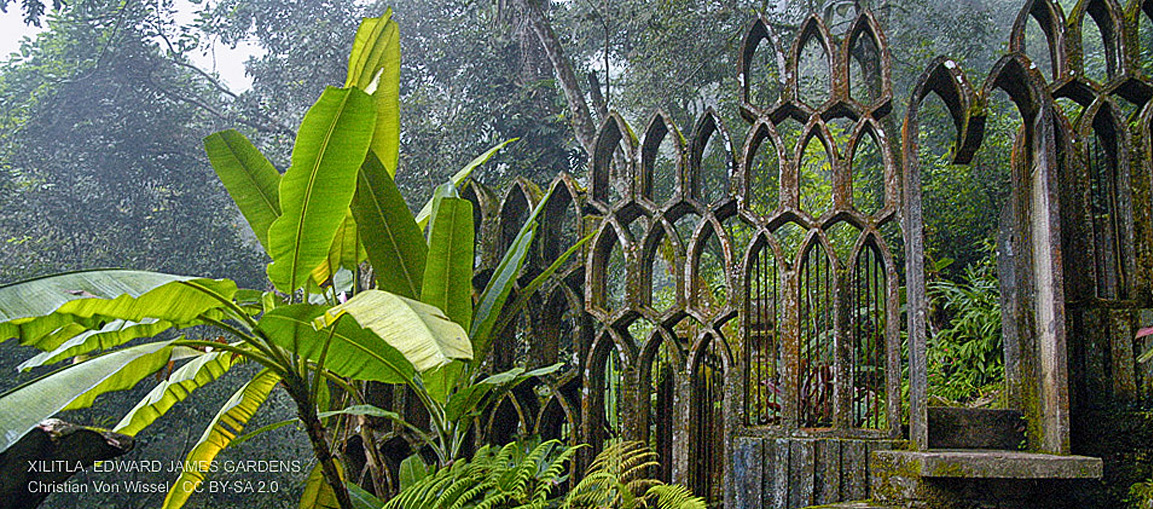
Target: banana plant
column 334, row 212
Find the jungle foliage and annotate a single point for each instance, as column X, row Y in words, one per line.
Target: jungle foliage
column 102, row 117
column 336, row 208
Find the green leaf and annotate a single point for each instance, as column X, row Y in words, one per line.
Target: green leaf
column 394, row 243
column 261, row 430
column 354, row 352
column 228, row 423
column 196, row 373
column 346, row 252
column 509, row 313
column 114, row 333
column 362, row 499
column 374, row 66
column 448, row 272
column 426, row 212
column 468, row 401
column 440, row 381
column 77, row 386
column 317, row 189
column 250, row 179
column 317, row 492
column 421, row 332
column 496, row 293
column 31, row 310
column 368, row 48
column 412, row 470
column 370, row 410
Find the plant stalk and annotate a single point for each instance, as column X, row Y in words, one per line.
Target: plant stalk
column 315, row 430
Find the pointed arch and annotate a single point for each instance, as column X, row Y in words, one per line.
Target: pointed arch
column 863, row 46
column 604, row 373
column 1051, row 19
column 812, row 30
column 611, row 161
column 661, row 255
column 816, row 334
column 521, row 196
column 561, row 226
column 864, row 180
column 710, row 175
column 1109, row 198
column 760, row 177
column 945, row 78
column 661, row 371
column 607, row 274
column 710, row 256
column 707, row 368
column 1108, row 17
column 763, row 356
column 819, row 176
column 661, row 175
column 868, row 341
column 754, row 103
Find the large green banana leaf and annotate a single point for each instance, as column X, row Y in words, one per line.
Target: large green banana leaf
column 196, row 373
column 468, row 401
column 496, row 293
column 250, row 179
column 77, row 386
column 394, row 243
column 317, row 492
column 353, row 351
column 524, row 294
column 425, row 213
column 421, row 332
column 374, row 66
column 346, row 252
column 448, row 271
column 362, row 499
column 30, row 310
column 114, row 333
column 317, row 189
column 228, row 423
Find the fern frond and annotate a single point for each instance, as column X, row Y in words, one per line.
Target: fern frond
column 674, row 496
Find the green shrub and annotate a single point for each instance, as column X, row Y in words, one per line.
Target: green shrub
column 966, row 356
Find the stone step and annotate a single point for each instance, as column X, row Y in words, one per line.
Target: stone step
column 854, row 505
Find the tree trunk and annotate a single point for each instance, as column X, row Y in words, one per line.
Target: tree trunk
column 582, row 122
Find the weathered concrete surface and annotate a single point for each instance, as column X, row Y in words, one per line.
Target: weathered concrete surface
column 989, row 464
column 854, row 505
column 954, row 479
column 975, row 428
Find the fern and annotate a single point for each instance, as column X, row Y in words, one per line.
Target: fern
column 619, row 477
column 675, row 496
column 519, row 475
column 524, row 476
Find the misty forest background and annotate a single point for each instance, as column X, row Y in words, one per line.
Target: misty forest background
column 103, row 113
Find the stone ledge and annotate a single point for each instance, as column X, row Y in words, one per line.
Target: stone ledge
column 991, row 464
column 853, row 505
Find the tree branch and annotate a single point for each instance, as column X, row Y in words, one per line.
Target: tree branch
column 581, row 119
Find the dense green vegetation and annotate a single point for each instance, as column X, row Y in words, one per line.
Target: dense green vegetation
column 102, row 164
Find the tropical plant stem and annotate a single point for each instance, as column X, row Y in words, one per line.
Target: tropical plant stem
column 372, row 458
column 255, row 356
column 250, row 339
column 306, row 410
column 240, row 313
column 317, row 375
